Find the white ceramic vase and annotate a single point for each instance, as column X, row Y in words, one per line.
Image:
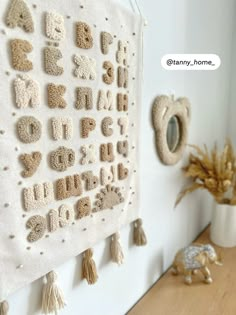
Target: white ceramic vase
column 223, row 225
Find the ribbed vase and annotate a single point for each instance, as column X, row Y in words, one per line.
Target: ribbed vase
column 223, row 225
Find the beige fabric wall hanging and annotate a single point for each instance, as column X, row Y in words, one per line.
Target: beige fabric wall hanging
column 170, row 121
column 70, row 100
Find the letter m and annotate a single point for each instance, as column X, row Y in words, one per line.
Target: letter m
column 27, row 92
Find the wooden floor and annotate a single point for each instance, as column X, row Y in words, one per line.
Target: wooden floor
column 170, row 296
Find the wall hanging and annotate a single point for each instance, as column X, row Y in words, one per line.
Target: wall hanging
column 70, row 100
column 170, row 121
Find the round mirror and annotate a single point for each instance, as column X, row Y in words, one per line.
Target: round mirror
column 173, row 133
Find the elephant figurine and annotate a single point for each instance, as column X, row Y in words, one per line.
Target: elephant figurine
column 193, row 258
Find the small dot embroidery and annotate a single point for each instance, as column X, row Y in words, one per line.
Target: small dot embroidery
column 2, row 132
column 28, row 248
column 11, row 237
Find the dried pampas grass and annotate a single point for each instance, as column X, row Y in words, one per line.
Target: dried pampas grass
column 214, row 171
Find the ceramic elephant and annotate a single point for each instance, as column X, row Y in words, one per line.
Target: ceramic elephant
column 193, row 258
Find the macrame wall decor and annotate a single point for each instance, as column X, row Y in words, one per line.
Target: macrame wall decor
column 70, row 102
column 171, row 122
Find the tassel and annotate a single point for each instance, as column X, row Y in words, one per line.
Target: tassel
column 117, row 255
column 4, row 308
column 139, row 234
column 89, row 270
column 53, row 299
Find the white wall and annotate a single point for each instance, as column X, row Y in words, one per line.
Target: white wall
column 232, row 107
column 183, row 26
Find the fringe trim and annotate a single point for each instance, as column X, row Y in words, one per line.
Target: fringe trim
column 89, row 270
column 140, row 238
column 4, row 308
column 53, row 298
column 117, row 254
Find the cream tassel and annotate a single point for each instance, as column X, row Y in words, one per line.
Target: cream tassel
column 139, row 234
column 4, row 308
column 117, row 255
column 89, row 270
column 53, row 299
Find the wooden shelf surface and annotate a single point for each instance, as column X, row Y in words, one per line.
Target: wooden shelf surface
column 170, row 296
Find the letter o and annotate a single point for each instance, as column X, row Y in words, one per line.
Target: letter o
column 29, row 129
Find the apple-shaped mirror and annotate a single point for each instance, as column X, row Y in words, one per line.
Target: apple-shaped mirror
column 171, row 120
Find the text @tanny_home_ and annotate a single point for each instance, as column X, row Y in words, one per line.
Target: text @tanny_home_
column 190, row 62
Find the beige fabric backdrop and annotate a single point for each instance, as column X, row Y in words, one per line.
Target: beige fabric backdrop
column 20, row 265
